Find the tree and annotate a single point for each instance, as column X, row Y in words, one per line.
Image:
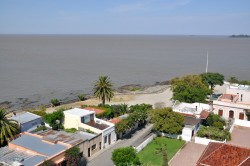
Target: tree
column 72, row 156
column 125, row 156
column 165, row 120
column 53, row 118
column 189, row 89
column 212, row 79
column 103, row 89
column 162, row 150
column 143, row 106
column 8, row 128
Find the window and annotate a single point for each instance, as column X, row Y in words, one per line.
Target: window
column 220, row 112
column 85, row 119
column 93, row 147
column 241, row 116
column 105, row 139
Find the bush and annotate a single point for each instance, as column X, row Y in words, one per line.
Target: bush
column 214, row 120
column 71, row 130
column 125, row 156
column 214, row 133
column 40, row 128
column 52, row 118
column 81, row 97
column 55, row 102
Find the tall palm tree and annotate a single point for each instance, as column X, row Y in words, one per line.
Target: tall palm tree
column 103, row 89
column 8, row 128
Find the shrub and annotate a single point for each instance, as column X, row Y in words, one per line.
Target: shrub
column 81, row 97
column 55, row 102
column 214, row 133
column 71, row 130
column 52, row 118
column 215, row 121
column 40, row 128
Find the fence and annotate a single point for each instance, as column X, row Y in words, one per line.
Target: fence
column 144, row 143
column 205, row 141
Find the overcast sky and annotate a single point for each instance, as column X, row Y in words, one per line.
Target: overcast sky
column 170, row 17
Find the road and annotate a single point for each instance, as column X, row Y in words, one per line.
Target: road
column 104, row 157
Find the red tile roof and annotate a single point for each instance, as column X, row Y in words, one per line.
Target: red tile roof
column 217, row 154
column 115, row 120
column 97, row 111
column 204, row 114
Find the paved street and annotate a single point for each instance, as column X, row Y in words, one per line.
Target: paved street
column 104, row 157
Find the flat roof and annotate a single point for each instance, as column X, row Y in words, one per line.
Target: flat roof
column 10, row 155
column 79, row 112
column 191, row 121
column 25, row 117
column 38, row 145
column 86, row 135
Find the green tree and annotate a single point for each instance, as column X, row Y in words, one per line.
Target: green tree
column 122, row 126
column 214, row 121
column 189, row 89
column 53, row 118
column 125, row 156
column 165, row 120
column 103, row 89
column 212, row 79
column 8, row 128
column 72, row 156
column 143, row 106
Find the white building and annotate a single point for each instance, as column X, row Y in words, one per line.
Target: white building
column 27, row 121
column 85, row 119
column 234, row 103
column 193, row 115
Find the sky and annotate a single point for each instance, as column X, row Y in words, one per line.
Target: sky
column 166, row 17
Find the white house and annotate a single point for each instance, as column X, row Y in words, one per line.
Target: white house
column 193, row 114
column 85, row 119
column 234, row 103
column 27, row 121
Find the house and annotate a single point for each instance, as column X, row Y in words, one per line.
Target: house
column 82, row 119
column 88, row 143
column 27, row 121
column 217, row 154
column 193, row 114
column 234, row 104
column 31, row 150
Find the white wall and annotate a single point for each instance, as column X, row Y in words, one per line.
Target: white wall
column 186, row 134
column 242, row 123
column 144, row 143
column 205, row 141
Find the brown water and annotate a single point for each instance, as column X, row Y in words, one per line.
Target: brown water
column 41, row 67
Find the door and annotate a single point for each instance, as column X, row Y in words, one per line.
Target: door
column 241, row 116
column 109, row 139
column 231, row 114
column 88, row 152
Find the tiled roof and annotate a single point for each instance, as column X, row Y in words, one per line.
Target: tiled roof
column 115, row 120
column 204, row 114
column 224, row 154
column 97, row 111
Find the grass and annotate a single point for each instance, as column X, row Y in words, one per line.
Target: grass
column 148, row 155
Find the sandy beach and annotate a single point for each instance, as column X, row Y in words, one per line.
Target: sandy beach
column 157, row 96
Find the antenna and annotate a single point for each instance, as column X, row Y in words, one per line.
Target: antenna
column 207, row 62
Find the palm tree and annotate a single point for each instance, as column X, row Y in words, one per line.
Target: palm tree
column 103, row 89
column 8, row 128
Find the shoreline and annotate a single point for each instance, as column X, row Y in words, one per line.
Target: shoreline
column 36, row 100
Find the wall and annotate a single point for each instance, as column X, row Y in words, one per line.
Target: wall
column 145, row 143
column 205, row 141
column 89, row 143
column 28, row 125
column 242, row 123
column 186, row 134
column 227, row 106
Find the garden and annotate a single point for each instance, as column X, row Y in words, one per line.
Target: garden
column 152, row 154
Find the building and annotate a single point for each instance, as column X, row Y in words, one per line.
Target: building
column 88, row 143
column 193, row 114
column 27, row 121
column 234, row 104
column 33, row 149
column 217, row 154
column 82, row 119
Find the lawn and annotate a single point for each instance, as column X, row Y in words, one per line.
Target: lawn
column 148, row 155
